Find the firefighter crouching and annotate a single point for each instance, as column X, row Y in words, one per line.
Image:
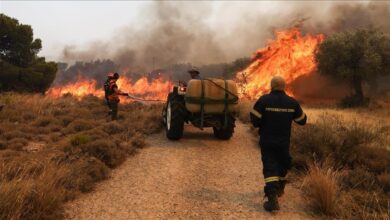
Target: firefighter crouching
column 273, row 114
column 112, row 94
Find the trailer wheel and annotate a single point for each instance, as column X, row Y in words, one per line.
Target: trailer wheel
column 174, row 119
column 225, row 133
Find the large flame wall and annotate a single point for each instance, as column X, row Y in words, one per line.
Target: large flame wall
column 156, row 89
column 290, row 55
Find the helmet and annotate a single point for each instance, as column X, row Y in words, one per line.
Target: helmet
column 116, row 76
column 113, row 75
column 193, row 70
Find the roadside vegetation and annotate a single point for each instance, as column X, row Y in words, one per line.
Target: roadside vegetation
column 342, row 157
column 51, row 150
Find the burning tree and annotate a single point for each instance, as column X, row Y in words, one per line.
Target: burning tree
column 355, row 56
column 290, row 55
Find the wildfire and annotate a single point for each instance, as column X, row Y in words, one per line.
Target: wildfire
column 290, row 55
column 156, row 89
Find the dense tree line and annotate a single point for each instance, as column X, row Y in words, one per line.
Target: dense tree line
column 20, row 67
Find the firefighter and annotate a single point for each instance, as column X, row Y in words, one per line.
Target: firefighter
column 273, row 114
column 107, row 89
column 113, row 94
column 194, row 73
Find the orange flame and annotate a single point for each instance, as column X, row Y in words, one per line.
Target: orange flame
column 290, row 55
column 142, row 88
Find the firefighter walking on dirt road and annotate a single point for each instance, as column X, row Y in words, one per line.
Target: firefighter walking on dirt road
column 273, row 114
column 112, row 94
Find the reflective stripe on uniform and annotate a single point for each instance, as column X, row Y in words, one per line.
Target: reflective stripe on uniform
column 271, row 179
column 300, row 118
column 279, row 109
column 282, row 178
column 256, row 113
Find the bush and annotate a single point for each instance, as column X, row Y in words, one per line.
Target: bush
column 44, row 121
column 83, row 174
column 322, row 188
column 352, row 145
column 113, row 127
column 3, row 145
column 106, row 151
column 35, row 185
column 80, row 125
column 80, row 139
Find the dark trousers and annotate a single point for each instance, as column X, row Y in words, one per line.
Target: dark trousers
column 108, row 103
column 113, row 105
column 275, row 155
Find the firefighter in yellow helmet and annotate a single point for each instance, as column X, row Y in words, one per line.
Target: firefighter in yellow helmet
column 273, row 114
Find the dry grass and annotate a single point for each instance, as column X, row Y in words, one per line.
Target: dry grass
column 321, row 185
column 355, row 140
column 52, row 150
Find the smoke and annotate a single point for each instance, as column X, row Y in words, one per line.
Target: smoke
column 316, row 88
column 166, row 34
column 174, row 35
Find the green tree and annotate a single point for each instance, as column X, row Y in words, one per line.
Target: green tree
column 356, row 56
column 20, row 67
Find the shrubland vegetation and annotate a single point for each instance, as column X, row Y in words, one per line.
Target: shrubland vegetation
column 52, row 150
column 343, row 158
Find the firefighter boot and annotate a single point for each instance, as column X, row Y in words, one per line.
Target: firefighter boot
column 271, row 192
column 272, row 204
column 282, row 185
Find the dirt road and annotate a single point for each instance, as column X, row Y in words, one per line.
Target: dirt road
column 197, row 177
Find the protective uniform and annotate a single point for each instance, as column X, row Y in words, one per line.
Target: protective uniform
column 113, row 99
column 107, row 93
column 273, row 114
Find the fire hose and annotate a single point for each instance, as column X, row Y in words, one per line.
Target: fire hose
column 144, row 100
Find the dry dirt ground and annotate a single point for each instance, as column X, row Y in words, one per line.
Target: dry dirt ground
column 198, row 177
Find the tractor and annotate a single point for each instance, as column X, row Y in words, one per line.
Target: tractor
column 203, row 103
